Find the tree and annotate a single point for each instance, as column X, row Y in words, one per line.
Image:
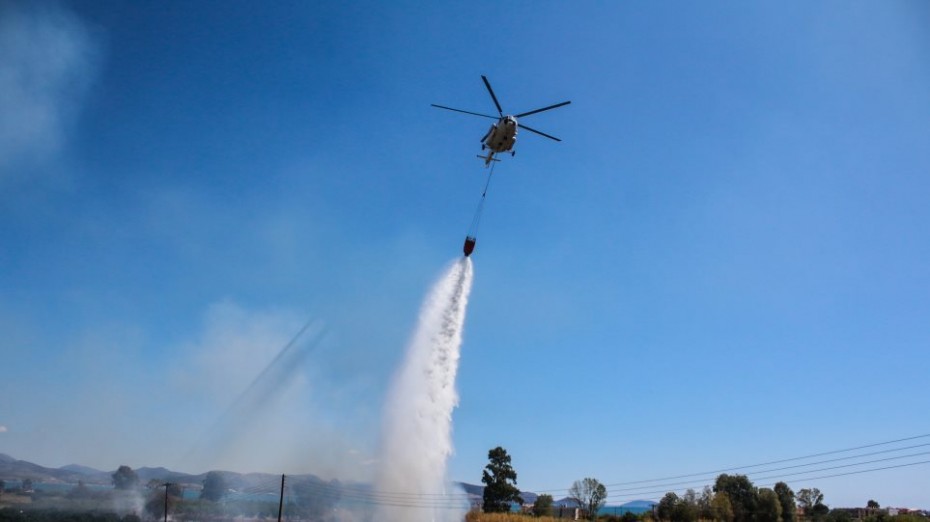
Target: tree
column 741, row 493
column 500, row 481
column 811, row 501
column 125, row 478
column 79, row 491
column 589, row 494
column 161, row 495
column 872, row 504
column 686, row 509
column 27, row 485
column 542, row 507
column 666, row 508
column 786, row 498
column 722, row 507
column 214, row 487
column 705, row 504
column 769, row 506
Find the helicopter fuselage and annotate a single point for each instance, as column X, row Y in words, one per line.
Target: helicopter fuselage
column 502, row 135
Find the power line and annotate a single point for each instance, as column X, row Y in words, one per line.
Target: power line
column 662, row 492
column 713, row 477
column 737, row 468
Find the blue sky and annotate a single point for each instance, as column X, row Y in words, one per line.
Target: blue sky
column 725, row 262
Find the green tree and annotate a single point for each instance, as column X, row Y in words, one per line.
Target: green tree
column 214, row 487
column 542, row 507
column 705, row 504
column 79, row 491
column 839, row 515
column 589, row 494
column 125, row 478
column 872, row 504
column 769, row 506
column 666, row 508
column 786, row 498
column 742, row 494
column 686, row 509
column 811, row 501
column 722, row 507
column 500, row 481
column 155, row 503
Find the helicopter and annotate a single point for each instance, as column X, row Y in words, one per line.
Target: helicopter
column 502, row 135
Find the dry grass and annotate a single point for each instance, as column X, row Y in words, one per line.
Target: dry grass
column 477, row 516
column 10, row 499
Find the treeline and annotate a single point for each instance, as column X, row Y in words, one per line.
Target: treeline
column 9, row 514
column 734, row 498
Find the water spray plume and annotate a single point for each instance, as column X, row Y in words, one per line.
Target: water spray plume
column 417, row 435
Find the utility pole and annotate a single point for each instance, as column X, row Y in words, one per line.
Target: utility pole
column 281, row 500
column 166, row 500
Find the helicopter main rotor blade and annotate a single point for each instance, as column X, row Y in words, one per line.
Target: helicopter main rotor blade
column 522, row 126
column 466, row 112
column 543, row 109
column 490, row 90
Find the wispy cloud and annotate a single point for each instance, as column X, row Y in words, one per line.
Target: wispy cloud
column 48, row 58
column 3, row 429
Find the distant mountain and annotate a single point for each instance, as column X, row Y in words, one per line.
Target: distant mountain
column 84, row 470
column 12, row 469
column 477, row 493
column 166, row 475
column 636, row 504
column 472, row 489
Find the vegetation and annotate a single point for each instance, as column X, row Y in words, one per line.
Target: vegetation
column 478, row 516
column 214, row 487
column 125, row 478
column 542, row 507
column 786, row 499
column 741, row 493
column 811, row 501
column 589, row 494
column 162, row 495
column 500, row 481
column 769, row 506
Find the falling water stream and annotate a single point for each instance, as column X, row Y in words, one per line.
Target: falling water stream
column 417, row 434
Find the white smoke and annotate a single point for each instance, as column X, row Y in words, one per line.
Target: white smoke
column 49, row 59
column 417, row 437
